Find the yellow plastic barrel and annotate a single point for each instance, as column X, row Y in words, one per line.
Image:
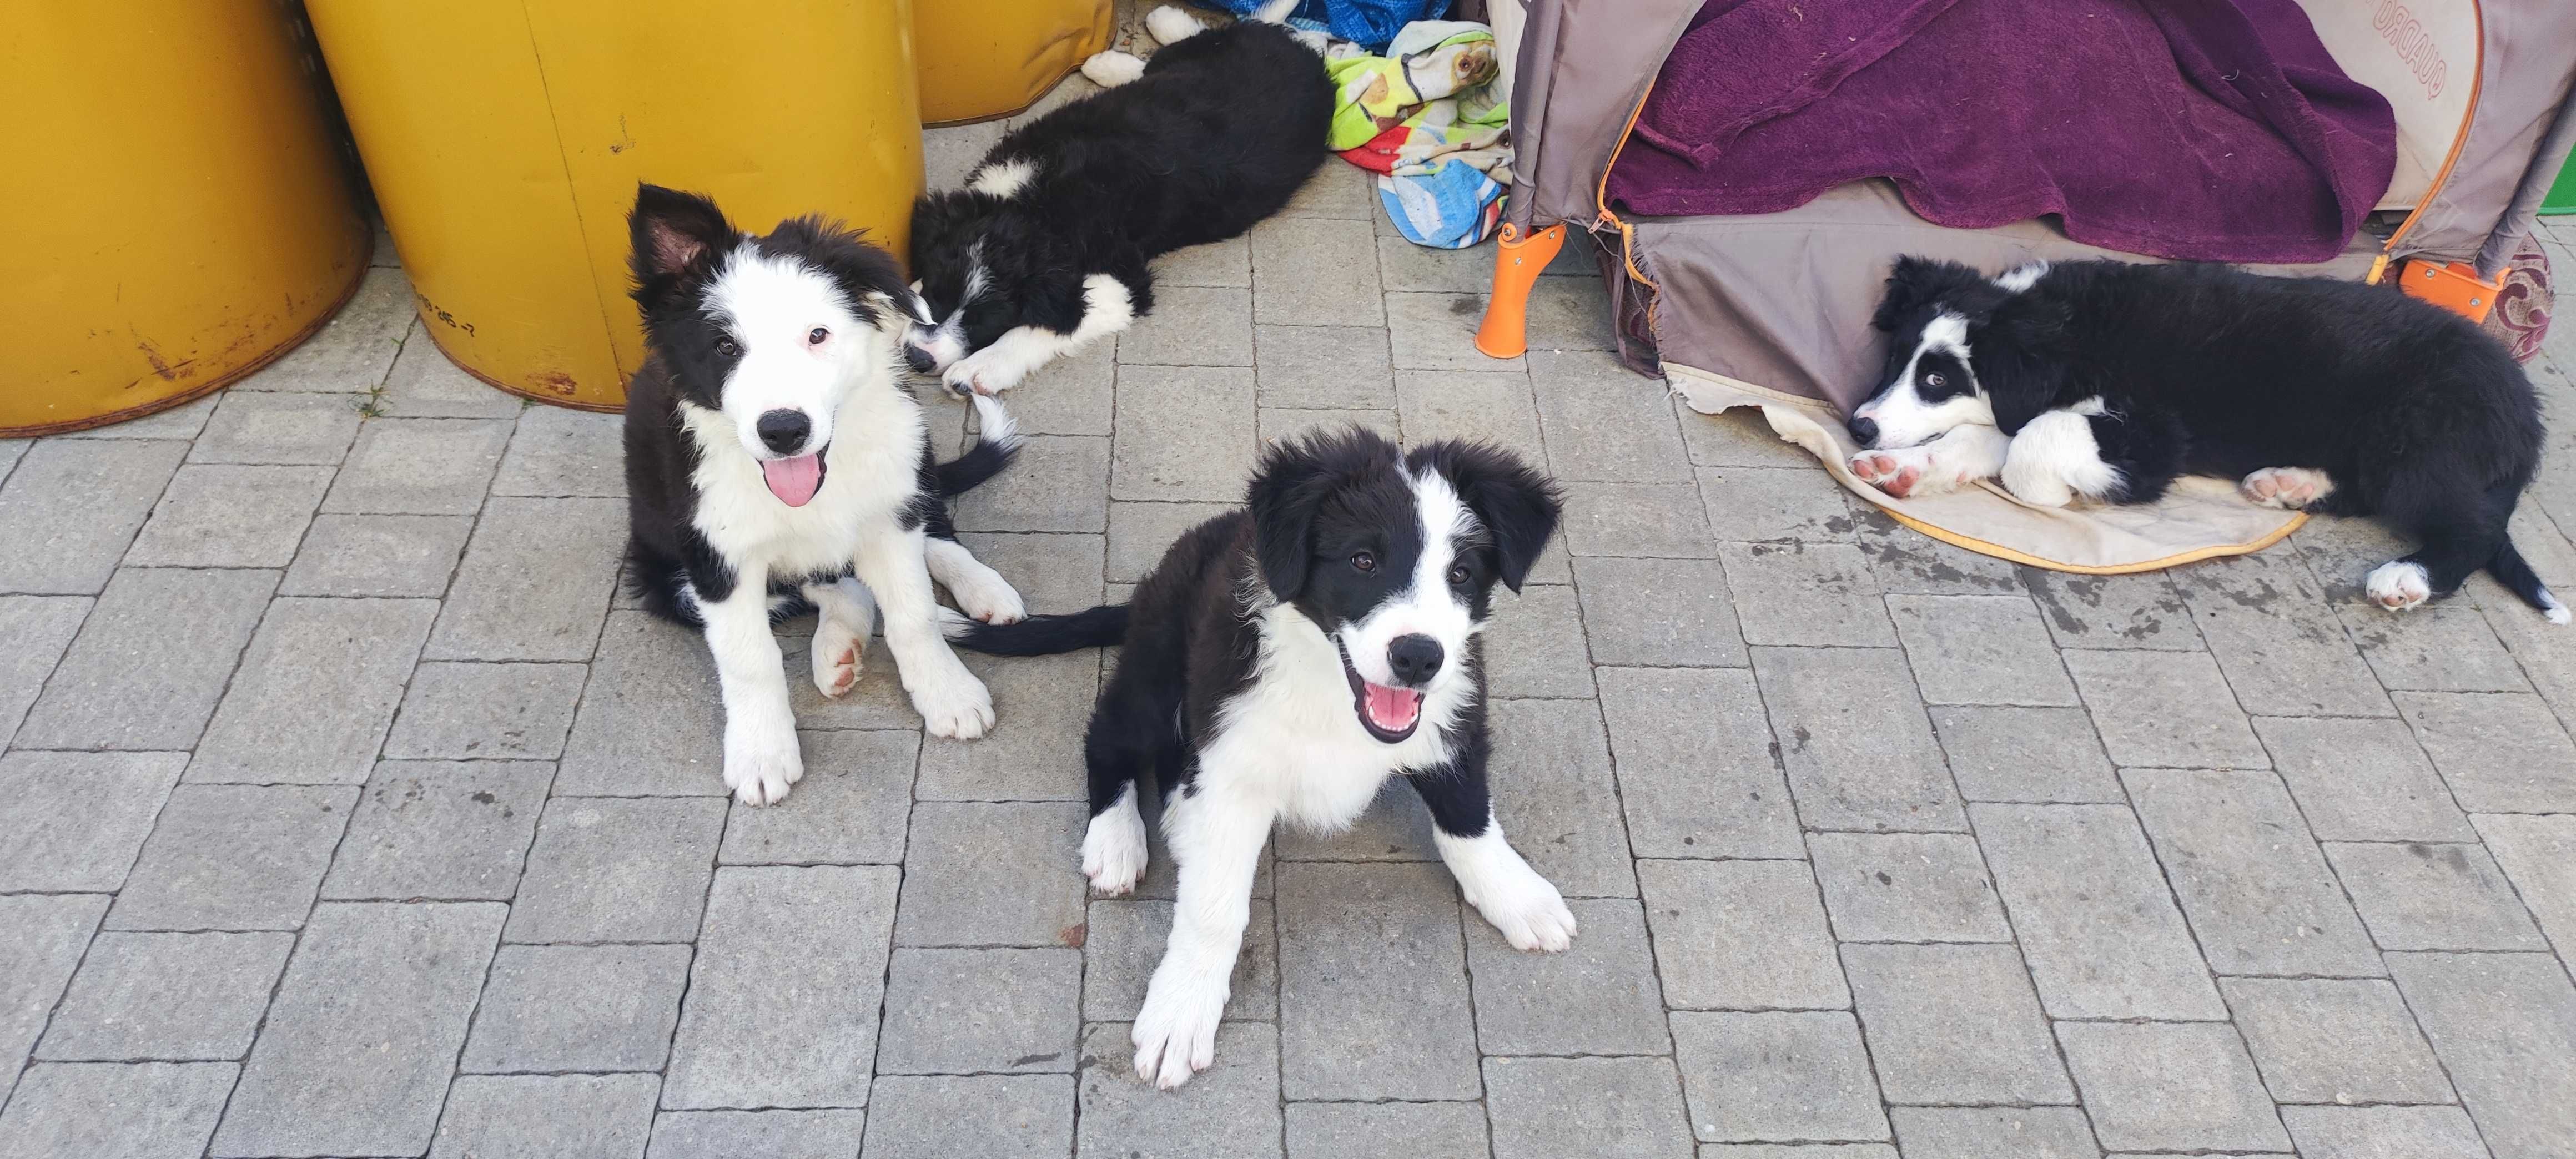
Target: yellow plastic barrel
column 177, row 212
column 505, row 139
column 991, row 58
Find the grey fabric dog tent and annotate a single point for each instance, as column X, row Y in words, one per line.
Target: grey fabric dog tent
column 1772, row 310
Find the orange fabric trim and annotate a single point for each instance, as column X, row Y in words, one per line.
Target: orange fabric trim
column 2298, row 520
column 1601, row 199
column 2459, row 144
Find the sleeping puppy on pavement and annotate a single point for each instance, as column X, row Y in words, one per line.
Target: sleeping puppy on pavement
column 2109, row 380
column 1279, row 665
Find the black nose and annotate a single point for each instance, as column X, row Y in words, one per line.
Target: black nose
column 1414, row 658
column 919, row 360
column 784, row 430
column 1865, row 430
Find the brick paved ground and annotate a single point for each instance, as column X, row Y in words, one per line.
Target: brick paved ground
column 348, row 812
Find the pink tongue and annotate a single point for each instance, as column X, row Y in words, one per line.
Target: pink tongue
column 1392, row 709
column 795, row 480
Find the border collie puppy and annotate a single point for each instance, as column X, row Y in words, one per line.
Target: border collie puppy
column 773, row 451
column 1045, row 249
column 2108, row 380
column 1279, row 665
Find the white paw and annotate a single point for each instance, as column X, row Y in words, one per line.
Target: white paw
column 761, row 762
column 953, row 703
column 2288, row 488
column 986, row 372
column 1170, row 25
column 837, row 656
column 1175, row 1033
column 990, row 598
column 2038, row 488
column 1527, row 909
column 1113, row 849
column 2398, row 585
column 1112, row 68
column 1902, row 472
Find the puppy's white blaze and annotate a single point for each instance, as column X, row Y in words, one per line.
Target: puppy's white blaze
column 1113, row 848
column 1903, row 418
column 2022, row 277
column 771, row 305
column 2053, row 458
column 1003, row 179
column 1426, row 605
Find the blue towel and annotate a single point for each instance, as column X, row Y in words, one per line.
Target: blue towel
column 1450, row 208
column 1370, row 22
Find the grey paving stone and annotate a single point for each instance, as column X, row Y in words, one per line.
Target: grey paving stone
column 1533, row 645
column 424, row 384
column 651, row 720
column 2170, row 1086
column 2141, row 611
column 1402, row 265
column 1139, row 534
column 251, row 427
column 1741, row 437
column 1796, row 1151
column 1806, row 593
column 1986, row 1132
column 1755, row 504
column 2277, row 638
column 1568, row 314
column 315, row 693
column 951, row 152
column 166, row 997
column 2095, row 920
column 652, row 854
column 486, row 712
column 573, row 1116
column 1907, row 887
column 1777, row 1076
column 1191, row 326
column 234, row 857
column 355, row 1055
column 439, row 830
column 1053, row 573
column 993, row 874
column 560, row 452
column 2335, row 1040
column 11, row 450
column 1073, row 395
column 1478, row 403
column 1221, row 263
column 225, row 516
column 354, row 350
column 1609, row 1108
column 1343, row 191
column 1314, row 273
column 109, row 1111
column 2362, row 780
column 1698, row 772
column 2449, row 648
column 2420, row 896
column 1324, row 367
column 377, row 555
column 1980, row 650
column 850, row 808
column 78, row 819
column 1426, row 1130
column 1373, row 998
column 70, row 508
column 1858, row 750
column 2538, row 854
column 1059, row 483
column 1521, row 1005
column 2251, row 880
column 1555, row 796
column 2500, row 752
column 1183, row 434
column 971, row 1117
column 2170, row 710
column 2547, row 656
column 38, row 628
column 1604, row 422
column 1229, row 1111
column 1034, row 750
column 1954, row 1024
column 981, row 1011
column 1659, row 520
column 535, row 581
column 150, row 661
column 1659, row 612
column 2025, row 754
column 746, row 1041
column 1906, row 560
column 47, row 934
column 1437, row 331
column 578, row 1008
column 877, row 701
column 1279, row 423
column 2505, row 1027
column 179, row 422
column 419, row 467
column 1741, row 935
column 2384, row 1133
column 770, row 1134
column 1126, row 939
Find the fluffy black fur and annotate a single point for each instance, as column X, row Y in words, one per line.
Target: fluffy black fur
column 2421, row 420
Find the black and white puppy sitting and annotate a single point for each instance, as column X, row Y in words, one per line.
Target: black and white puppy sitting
column 772, row 452
column 1279, row 665
column 1046, row 248
column 2109, row 380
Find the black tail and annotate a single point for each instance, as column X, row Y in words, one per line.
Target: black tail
column 998, row 444
column 2510, row 570
column 1043, row 635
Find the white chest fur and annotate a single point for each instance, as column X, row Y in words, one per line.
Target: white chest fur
column 870, row 474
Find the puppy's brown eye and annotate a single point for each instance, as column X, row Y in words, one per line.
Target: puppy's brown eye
column 1458, row 576
column 815, row 336
column 1364, row 561
column 1935, row 381
column 728, row 347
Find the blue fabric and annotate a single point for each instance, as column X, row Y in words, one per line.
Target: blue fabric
column 1450, row 208
column 1370, row 22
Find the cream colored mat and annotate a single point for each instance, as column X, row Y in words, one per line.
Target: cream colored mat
column 2199, row 518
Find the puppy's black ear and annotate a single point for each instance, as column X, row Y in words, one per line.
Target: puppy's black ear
column 2020, row 354
column 1287, row 489
column 1919, row 282
column 671, row 231
column 1518, row 506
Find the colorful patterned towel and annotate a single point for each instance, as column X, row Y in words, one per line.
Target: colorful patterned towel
column 1424, row 117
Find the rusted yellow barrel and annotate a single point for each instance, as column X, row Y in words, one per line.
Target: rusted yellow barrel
column 991, row 58
column 177, row 212
column 505, row 139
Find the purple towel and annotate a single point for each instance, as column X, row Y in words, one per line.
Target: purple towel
column 2199, row 129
